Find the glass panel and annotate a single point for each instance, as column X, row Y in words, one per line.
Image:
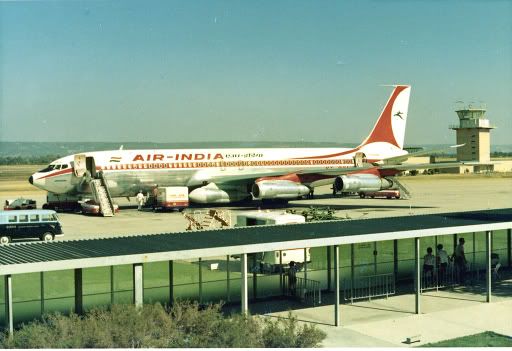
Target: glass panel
column 405, row 259
column 385, row 257
column 186, row 280
column 23, row 218
column 96, row 287
column 156, row 282
column 214, row 277
column 59, row 291
column 123, row 284
column 364, row 263
column 13, row 219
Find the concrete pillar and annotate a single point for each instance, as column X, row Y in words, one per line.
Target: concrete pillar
column 417, row 275
column 337, row 317
column 243, row 284
column 509, row 247
column 9, row 319
column 329, row 269
column 228, row 282
column 488, row 243
column 200, row 281
column 78, row 291
column 171, row 282
column 138, row 285
column 41, row 282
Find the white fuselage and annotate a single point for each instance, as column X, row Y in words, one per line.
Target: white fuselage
column 128, row 171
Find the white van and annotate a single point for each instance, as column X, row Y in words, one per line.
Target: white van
column 273, row 259
column 172, row 197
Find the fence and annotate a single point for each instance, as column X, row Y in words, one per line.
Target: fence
column 306, row 290
column 369, row 286
column 452, row 276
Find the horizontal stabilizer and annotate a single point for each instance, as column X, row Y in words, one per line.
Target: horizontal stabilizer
column 407, row 167
column 399, row 159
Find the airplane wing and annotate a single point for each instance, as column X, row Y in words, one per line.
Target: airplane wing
column 407, row 167
column 402, row 158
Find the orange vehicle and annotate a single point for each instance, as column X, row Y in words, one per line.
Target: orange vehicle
column 388, row 194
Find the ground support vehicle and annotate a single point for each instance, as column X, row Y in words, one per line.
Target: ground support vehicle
column 388, row 194
column 170, row 198
column 93, row 208
column 20, row 204
column 29, row 224
column 62, row 203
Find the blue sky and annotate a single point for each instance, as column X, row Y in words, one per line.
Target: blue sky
column 170, row 71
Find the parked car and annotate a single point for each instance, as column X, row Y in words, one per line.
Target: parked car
column 92, row 207
column 23, row 224
column 389, row 194
column 20, row 204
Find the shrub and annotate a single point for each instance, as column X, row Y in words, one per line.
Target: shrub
column 185, row 325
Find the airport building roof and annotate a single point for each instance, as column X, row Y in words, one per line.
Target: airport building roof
column 60, row 255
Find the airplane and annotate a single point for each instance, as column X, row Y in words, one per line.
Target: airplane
column 230, row 175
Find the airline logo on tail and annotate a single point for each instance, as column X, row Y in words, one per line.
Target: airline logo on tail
column 388, row 129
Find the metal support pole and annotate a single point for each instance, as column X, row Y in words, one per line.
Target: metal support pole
column 281, row 282
column 9, row 319
column 171, row 282
column 228, row 282
column 454, row 242
column 329, row 269
column 509, row 247
column 395, row 258
column 375, row 257
column 305, row 265
column 78, row 291
column 417, row 277
column 111, row 285
column 352, row 269
column 138, row 285
column 254, row 278
column 41, row 280
column 488, row 243
column 200, row 281
column 474, row 251
column 337, row 319
column 243, row 284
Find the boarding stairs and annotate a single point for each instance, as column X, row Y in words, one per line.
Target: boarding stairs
column 404, row 192
column 208, row 219
column 102, row 196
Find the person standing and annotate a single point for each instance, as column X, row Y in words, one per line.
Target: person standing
column 442, row 264
column 429, row 261
column 292, row 278
column 155, row 196
column 460, row 261
column 140, row 200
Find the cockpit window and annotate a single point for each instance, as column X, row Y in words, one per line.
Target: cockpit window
column 48, row 169
column 57, row 166
column 64, row 166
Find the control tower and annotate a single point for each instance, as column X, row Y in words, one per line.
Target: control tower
column 474, row 131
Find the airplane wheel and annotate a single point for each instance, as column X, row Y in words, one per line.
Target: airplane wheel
column 4, row 240
column 47, row 236
column 361, row 196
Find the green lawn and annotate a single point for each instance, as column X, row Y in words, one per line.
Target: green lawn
column 487, row 339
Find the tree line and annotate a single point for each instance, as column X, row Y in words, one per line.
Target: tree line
column 27, row 160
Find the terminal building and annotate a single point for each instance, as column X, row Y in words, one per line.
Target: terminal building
column 344, row 261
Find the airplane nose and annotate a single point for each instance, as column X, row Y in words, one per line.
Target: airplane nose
column 31, row 180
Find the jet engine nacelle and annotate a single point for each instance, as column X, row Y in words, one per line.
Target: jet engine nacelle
column 361, row 182
column 212, row 194
column 278, row 189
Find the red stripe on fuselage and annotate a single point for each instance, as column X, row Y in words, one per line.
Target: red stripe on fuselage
column 64, row 171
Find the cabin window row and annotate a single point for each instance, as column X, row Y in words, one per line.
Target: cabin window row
column 31, row 218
